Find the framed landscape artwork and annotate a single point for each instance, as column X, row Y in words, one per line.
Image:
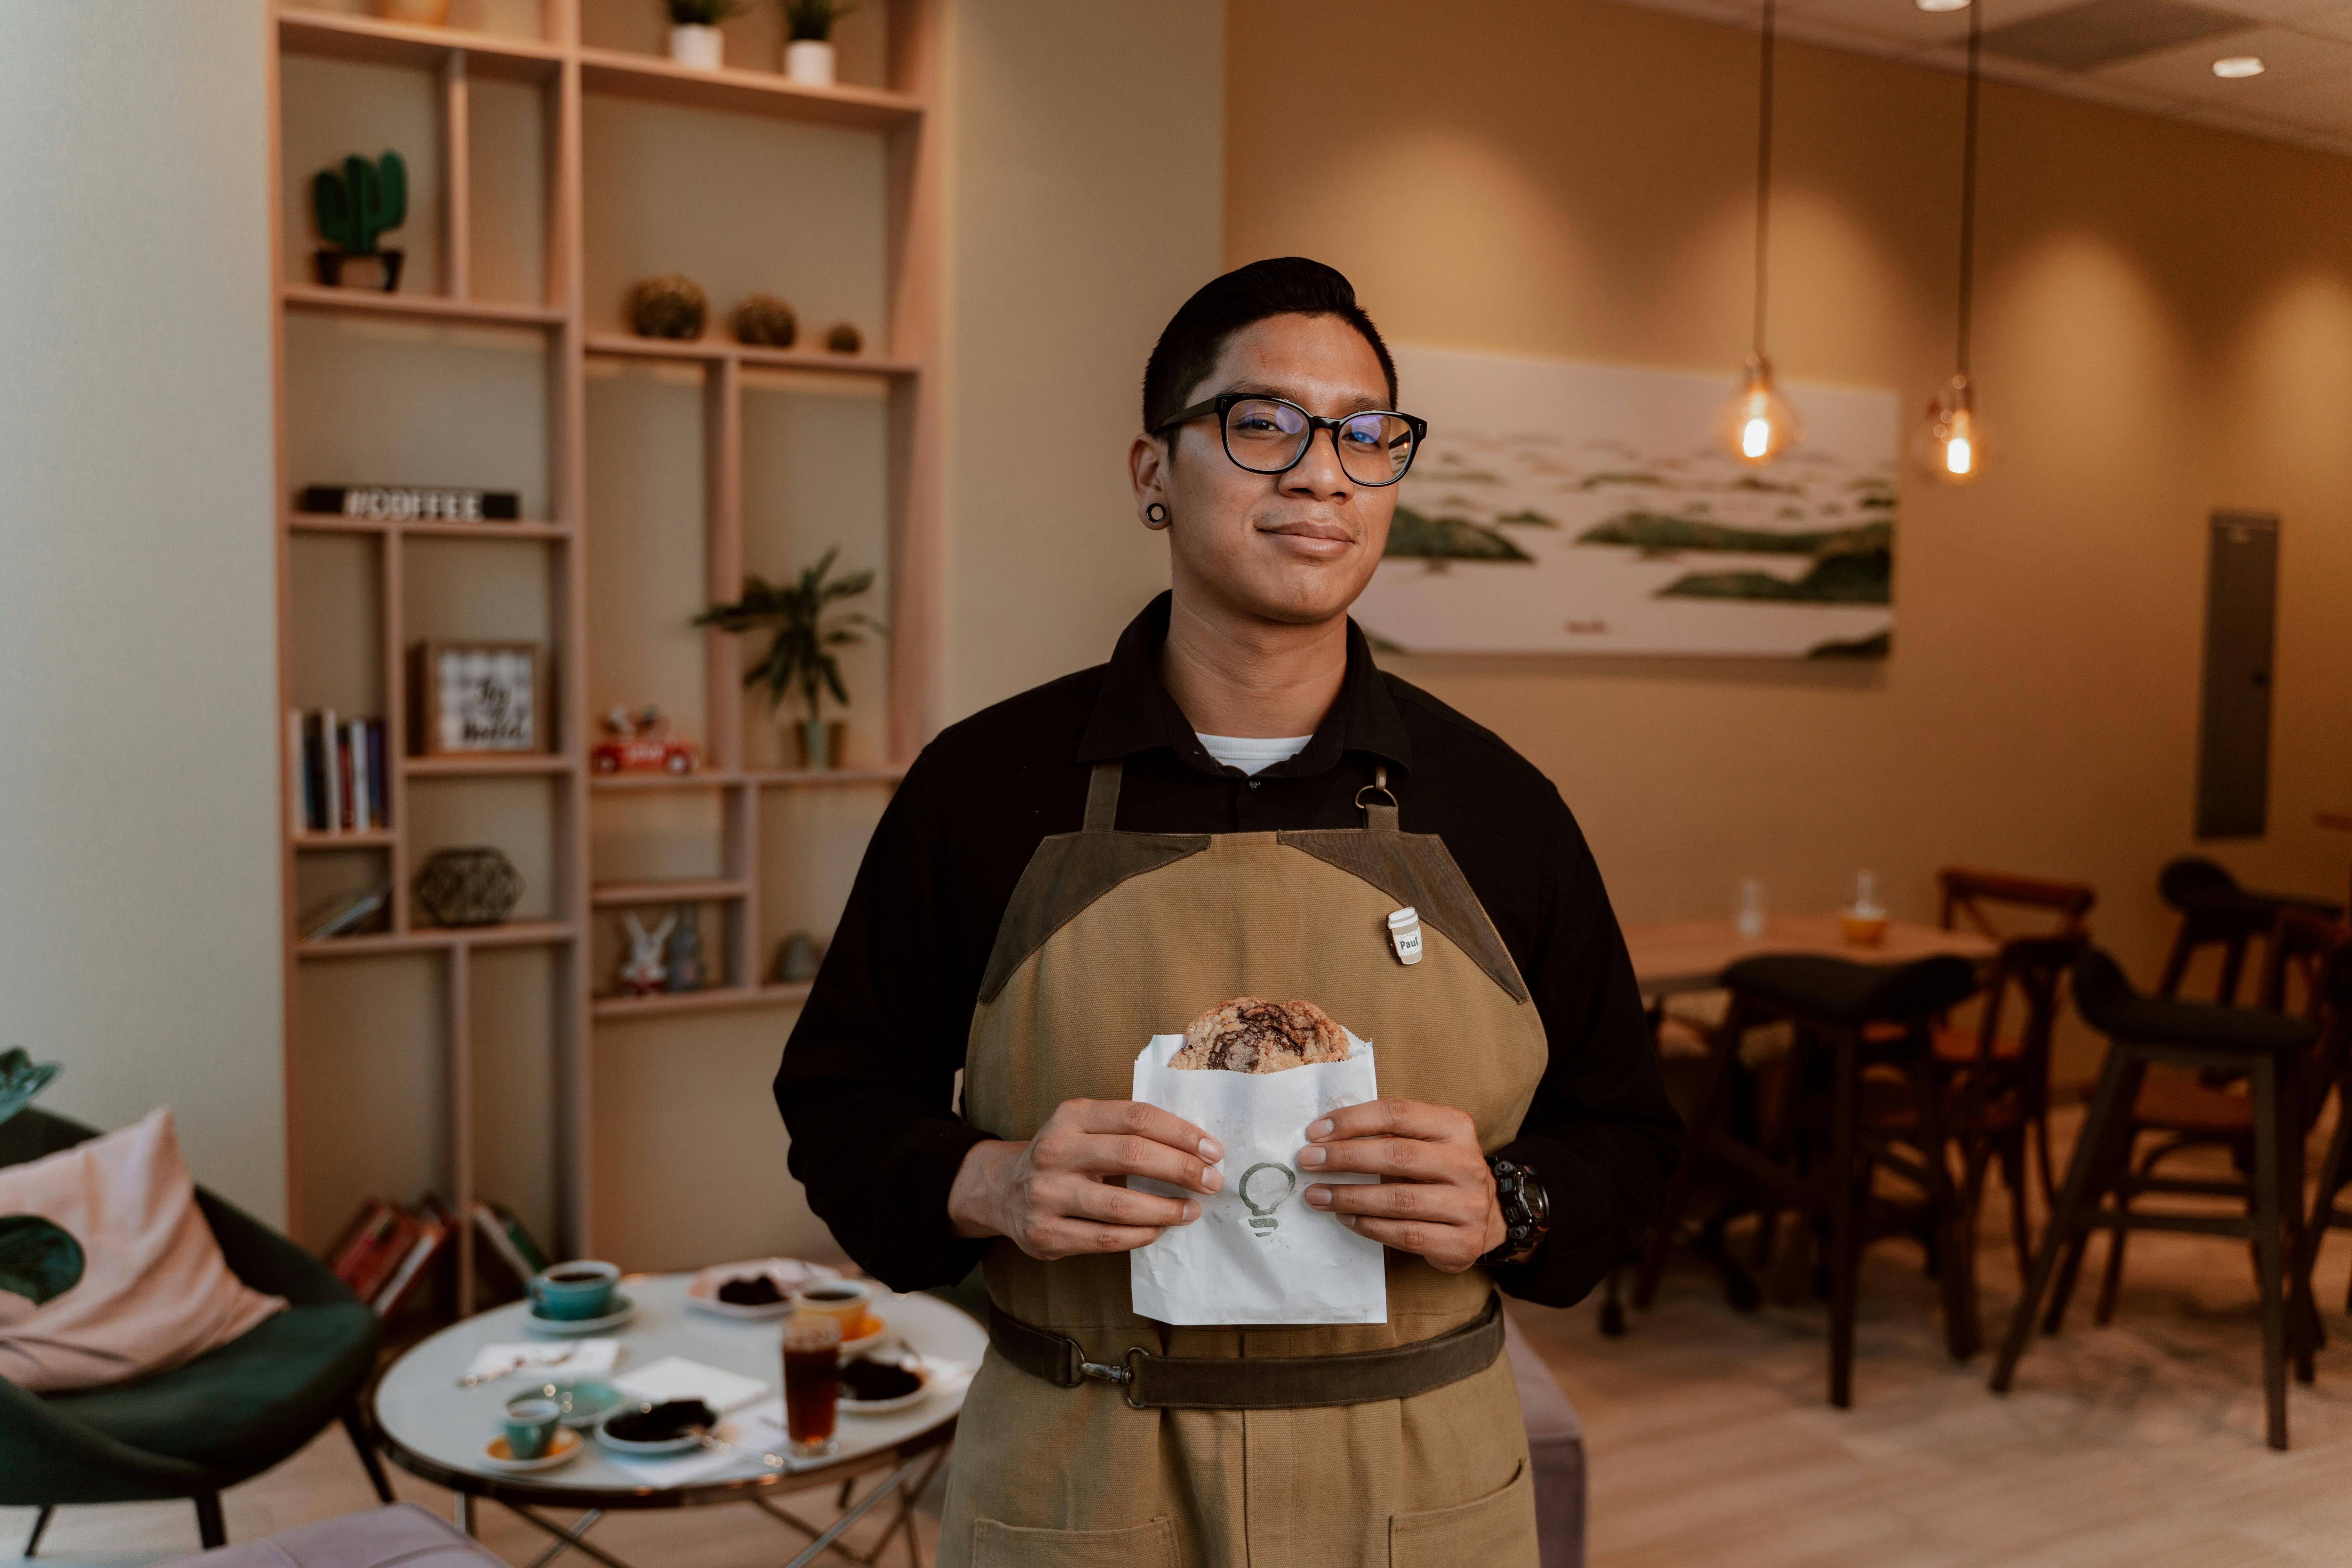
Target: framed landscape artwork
column 1559, row 506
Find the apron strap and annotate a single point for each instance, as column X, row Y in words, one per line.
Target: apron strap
column 1102, row 797
column 1379, row 819
column 1149, row 1381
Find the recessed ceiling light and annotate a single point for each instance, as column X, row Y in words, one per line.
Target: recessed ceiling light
column 2238, row 66
column 1941, row 4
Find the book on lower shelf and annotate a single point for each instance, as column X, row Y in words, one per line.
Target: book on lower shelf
column 349, row 913
column 508, row 1256
column 338, row 772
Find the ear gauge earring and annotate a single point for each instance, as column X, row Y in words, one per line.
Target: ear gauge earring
column 1156, row 513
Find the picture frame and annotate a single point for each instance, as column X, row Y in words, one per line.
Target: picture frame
column 474, row 699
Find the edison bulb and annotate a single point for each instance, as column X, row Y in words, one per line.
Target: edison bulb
column 1756, row 424
column 1950, row 445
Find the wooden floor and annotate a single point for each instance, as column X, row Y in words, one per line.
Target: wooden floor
column 1711, row 1440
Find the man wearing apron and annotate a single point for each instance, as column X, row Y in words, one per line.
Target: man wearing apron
column 1233, row 806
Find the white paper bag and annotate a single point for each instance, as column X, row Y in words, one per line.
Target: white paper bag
column 1259, row 1253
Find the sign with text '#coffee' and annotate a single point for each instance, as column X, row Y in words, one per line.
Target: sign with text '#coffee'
column 412, row 503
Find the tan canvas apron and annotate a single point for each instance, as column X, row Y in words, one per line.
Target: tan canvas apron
column 1110, row 938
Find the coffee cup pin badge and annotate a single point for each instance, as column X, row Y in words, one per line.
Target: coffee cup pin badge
column 1262, row 1218
column 1405, row 934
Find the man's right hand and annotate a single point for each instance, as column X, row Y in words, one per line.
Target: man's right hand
column 1054, row 1196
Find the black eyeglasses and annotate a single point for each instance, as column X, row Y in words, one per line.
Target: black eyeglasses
column 1270, row 434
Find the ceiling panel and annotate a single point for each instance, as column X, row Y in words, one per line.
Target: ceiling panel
column 2099, row 32
column 2294, row 12
column 2304, row 97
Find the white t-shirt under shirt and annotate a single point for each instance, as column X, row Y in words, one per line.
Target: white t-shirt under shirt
column 1250, row 754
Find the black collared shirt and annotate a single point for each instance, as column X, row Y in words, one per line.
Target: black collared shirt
column 868, row 1082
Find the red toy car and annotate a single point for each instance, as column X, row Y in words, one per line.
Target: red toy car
column 641, row 744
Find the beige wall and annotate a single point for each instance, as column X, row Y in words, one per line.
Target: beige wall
column 2164, row 326
column 1088, row 175
column 139, row 897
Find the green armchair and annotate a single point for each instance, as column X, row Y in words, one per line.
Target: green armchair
column 222, row 1418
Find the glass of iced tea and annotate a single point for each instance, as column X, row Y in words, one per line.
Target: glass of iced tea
column 812, row 1383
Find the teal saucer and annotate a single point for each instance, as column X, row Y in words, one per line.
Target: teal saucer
column 583, row 1402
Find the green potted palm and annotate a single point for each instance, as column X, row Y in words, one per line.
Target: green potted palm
column 808, row 38
column 807, row 629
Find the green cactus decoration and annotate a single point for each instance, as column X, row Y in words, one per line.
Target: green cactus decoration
column 357, row 206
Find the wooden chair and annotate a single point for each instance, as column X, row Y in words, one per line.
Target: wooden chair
column 2214, row 910
column 2187, row 1111
column 1971, row 897
column 1996, row 1084
column 1863, row 1032
column 2270, row 1050
column 2016, row 1067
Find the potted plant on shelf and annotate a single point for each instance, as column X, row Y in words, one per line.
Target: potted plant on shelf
column 808, row 38
column 354, row 206
column 800, row 652
column 694, row 36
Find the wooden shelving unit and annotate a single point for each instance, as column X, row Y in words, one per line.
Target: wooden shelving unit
column 371, row 631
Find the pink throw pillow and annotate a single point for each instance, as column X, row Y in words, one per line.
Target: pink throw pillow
column 154, row 1290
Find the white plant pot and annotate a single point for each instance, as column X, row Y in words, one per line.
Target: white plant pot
column 809, row 61
column 698, row 46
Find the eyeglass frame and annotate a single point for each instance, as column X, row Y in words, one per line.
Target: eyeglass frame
column 1221, row 403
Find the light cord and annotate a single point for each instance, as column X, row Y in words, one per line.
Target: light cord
column 1968, row 191
column 1763, row 170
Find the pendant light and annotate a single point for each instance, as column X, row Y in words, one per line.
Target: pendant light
column 1950, row 445
column 1757, row 423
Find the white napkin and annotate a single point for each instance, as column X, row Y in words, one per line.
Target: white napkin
column 697, row 1464
column 675, row 1377
column 573, row 1358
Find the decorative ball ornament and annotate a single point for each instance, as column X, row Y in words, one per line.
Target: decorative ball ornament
column 765, row 321
column 669, row 306
column 844, row 339
column 471, row 887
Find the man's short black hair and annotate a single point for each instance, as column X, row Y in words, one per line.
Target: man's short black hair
column 1197, row 333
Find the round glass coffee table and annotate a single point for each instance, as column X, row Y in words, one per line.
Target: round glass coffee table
column 435, row 1427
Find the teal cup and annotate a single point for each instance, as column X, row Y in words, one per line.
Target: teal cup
column 571, row 1291
column 532, row 1423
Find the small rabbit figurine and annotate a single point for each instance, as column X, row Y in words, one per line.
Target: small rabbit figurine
column 643, row 975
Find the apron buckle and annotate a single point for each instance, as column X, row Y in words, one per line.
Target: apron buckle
column 1126, row 1376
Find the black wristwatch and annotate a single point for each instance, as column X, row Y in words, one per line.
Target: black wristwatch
column 1527, row 1212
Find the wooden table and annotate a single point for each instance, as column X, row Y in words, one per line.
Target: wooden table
column 1691, row 955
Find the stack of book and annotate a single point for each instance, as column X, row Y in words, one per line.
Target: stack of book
column 387, row 1251
column 338, row 770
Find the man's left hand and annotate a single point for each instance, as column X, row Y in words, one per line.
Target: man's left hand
column 1435, row 1197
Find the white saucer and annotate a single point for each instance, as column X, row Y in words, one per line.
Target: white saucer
column 883, row 1407
column 577, row 1328
column 677, row 1444
column 789, row 1275
column 562, row 1451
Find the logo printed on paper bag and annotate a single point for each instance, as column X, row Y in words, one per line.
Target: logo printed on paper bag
column 1262, row 1218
